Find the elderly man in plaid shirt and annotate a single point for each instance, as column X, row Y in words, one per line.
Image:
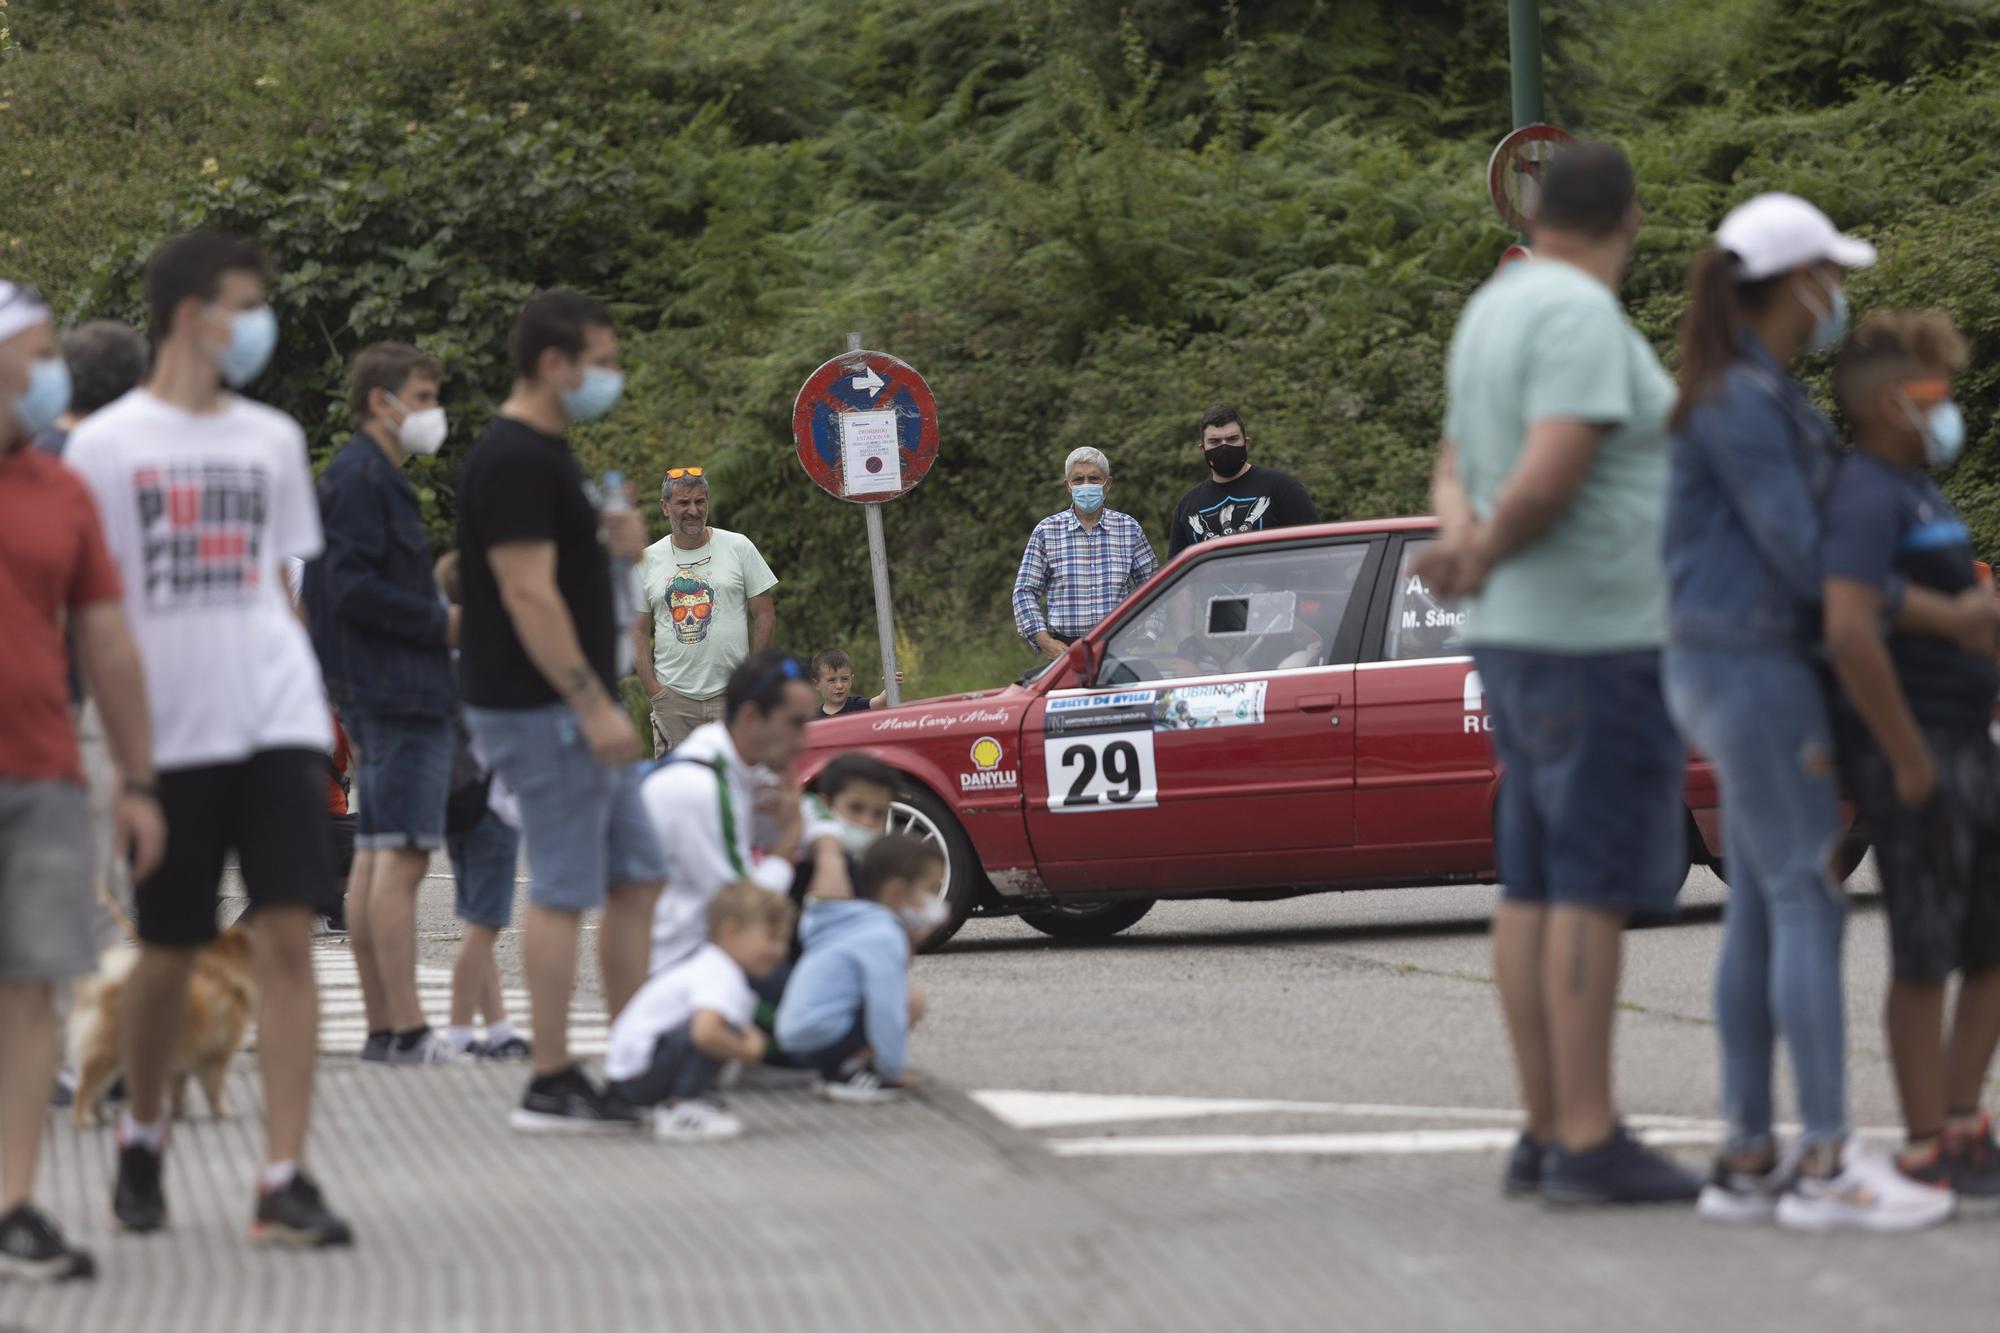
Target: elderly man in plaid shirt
column 1082, row 561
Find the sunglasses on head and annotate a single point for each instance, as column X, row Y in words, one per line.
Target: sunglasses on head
column 676, row 473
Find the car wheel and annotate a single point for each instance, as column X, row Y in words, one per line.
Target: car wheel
column 1096, row 922
column 921, row 815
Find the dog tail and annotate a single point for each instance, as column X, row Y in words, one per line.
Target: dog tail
column 117, row 912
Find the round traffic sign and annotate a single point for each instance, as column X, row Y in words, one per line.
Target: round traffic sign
column 1512, row 171
column 865, row 425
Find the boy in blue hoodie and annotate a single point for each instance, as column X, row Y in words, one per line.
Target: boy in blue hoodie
column 849, row 1006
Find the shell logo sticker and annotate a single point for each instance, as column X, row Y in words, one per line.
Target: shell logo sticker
column 986, row 756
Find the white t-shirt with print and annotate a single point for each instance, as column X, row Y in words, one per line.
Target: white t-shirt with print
column 200, row 512
column 708, row 979
column 700, row 605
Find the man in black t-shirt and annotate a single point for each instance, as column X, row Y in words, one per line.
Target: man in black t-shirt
column 1238, row 496
column 538, row 648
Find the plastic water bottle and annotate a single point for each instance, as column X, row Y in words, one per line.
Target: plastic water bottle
column 627, row 597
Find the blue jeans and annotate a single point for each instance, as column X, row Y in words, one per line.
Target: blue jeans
column 402, row 777
column 483, row 861
column 1592, row 810
column 1761, row 719
column 585, row 827
column 678, row 1072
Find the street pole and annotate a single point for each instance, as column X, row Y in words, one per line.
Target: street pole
column 878, row 566
column 1524, row 58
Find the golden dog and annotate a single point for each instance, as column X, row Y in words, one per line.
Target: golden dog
column 222, row 996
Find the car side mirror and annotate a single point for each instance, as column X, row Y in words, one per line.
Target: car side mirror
column 1080, row 661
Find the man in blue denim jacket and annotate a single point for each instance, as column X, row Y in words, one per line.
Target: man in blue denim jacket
column 384, row 641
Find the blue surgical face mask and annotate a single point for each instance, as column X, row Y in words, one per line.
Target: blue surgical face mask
column 1830, row 318
column 253, row 336
column 920, row 919
column 598, row 394
column 1943, row 429
column 47, row 396
column 1088, row 497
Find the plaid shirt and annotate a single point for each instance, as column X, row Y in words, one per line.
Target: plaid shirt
column 1083, row 572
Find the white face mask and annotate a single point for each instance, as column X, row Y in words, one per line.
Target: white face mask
column 423, row 432
column 920, row 919
column 858, row 838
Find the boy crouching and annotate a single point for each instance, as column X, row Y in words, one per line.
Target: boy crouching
column 849, row 1006
column 670, row 1042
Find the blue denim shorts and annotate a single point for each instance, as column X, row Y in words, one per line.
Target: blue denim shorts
column 1592, row 792
column 483, row 861
column 402, row 774
column 585, row 827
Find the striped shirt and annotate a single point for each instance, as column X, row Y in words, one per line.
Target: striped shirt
column 1082, row 572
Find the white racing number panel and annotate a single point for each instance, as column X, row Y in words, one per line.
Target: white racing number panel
column 1098, row 752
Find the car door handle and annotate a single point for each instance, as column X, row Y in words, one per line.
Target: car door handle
column 1318, row 703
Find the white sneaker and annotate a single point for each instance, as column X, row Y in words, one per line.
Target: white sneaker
column 1869, row 1194
column 432, row 1049
column 860, row 1087
column 695, row 1122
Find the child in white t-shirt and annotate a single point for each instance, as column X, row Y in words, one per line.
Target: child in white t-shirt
column 670, row 1042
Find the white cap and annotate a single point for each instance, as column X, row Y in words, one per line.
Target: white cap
column 1775, row 233
column 20, row 309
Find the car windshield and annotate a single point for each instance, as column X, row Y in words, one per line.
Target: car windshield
column 1247, row 611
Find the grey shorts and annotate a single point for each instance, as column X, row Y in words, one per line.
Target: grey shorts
column 585, row 829
column 45, row 896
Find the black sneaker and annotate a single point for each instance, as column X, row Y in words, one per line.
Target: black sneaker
column 298, row 1217
column 137, row 1200
column 31, row 1248
column 569, row 1103
column 376, row 1047
column 514, row 1050
column 1966, row 1161
column 1524, row 1167
column 1621, row 1170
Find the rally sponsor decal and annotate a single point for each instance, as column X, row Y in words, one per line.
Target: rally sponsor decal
column 1082, row 714
column 987, row 755
column 1197, row 707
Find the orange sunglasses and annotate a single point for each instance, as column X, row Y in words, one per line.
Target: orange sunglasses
column 676, row 473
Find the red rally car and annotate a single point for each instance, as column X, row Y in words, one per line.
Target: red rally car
column 1273, row 714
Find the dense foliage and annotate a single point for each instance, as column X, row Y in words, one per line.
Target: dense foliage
column 1084, row 220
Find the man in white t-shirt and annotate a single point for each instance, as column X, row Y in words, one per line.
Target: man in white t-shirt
column 670, row 1042
column 204, row 494
column 708, row 606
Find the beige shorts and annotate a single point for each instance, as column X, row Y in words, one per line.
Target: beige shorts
column 675, row 715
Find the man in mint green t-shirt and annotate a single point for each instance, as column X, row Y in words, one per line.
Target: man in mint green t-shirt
column 1551, row 489
column 708, row 606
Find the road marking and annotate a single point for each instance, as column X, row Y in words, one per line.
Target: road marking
column 1041, row 1111
column 1389, row 1143
column 342, row 1026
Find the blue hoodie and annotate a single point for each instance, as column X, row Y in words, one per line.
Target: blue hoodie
column 855, row 966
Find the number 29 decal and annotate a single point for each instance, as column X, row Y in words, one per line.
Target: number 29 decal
column 1108, row 771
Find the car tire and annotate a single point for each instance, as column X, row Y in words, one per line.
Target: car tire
column 1096, row 922
column 917, row 812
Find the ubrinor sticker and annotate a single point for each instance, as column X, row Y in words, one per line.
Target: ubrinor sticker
column 1196, row 707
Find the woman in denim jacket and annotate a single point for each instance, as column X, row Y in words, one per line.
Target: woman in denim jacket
column 1746, row 684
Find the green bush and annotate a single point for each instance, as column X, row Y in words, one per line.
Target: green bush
column 1083, row 220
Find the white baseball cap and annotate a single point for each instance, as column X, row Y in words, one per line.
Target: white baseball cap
column 1775, row 233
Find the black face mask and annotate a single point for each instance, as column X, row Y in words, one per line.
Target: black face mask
column 1226, row 460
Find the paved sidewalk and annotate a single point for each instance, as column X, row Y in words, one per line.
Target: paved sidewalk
column 927, row 1215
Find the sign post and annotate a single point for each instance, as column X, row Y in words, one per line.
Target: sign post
column 1524, row 59
column 865, row 427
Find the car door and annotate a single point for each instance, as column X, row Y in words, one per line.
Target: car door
column 1215, row 748
column 1423, row 768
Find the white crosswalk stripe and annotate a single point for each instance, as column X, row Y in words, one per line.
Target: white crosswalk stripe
column 342, row 1027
